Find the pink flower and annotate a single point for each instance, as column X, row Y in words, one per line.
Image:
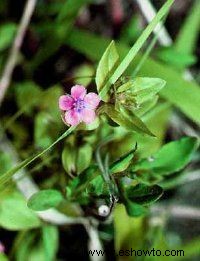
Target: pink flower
column 79, row 106
column 2, row 248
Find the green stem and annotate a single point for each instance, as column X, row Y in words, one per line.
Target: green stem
column 105, row 169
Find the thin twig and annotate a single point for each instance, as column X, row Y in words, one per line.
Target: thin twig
column 181, row 126
column 13, row 56
column 177, row 211
column 192, row 176
column 94, row 243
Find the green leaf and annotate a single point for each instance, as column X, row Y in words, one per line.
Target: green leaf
column 45, row 199
column 171, row 158
column 123, row 163
column 106, row 66
column 69, row 158
column 144, row 94
column 76, row 160
column 80, row 183
column 7, row 32
column 84, row 74
column 175, row 58
column 84, row 156
column 146, row 106
column 143, row 88
column 10, row 173
column 139, row 95
column 174, row 180
column 97, row 187
column 126, row 119
column 133, row 209
column 14, row 213
column 143, row 194
column 135, row 121
column 137, row 198
column 137, row 46
column 144, row 84
column 50, row 237
column 127, row 85
column 186, row 40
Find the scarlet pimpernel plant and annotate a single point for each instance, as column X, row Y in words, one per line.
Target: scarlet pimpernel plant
column 99, row 162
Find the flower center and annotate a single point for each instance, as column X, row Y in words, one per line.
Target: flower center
column 79, row 105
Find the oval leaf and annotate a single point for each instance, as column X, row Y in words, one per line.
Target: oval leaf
column 106, row 66
column 45, row 199
column 171, row 158
column 123, row 163
column 14, row 213
column 84, row 156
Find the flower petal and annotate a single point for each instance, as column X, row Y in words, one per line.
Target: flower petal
column 65, row 102
column 78, row 92
column 88, row 116
column 72, row 117
column 92, row 100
